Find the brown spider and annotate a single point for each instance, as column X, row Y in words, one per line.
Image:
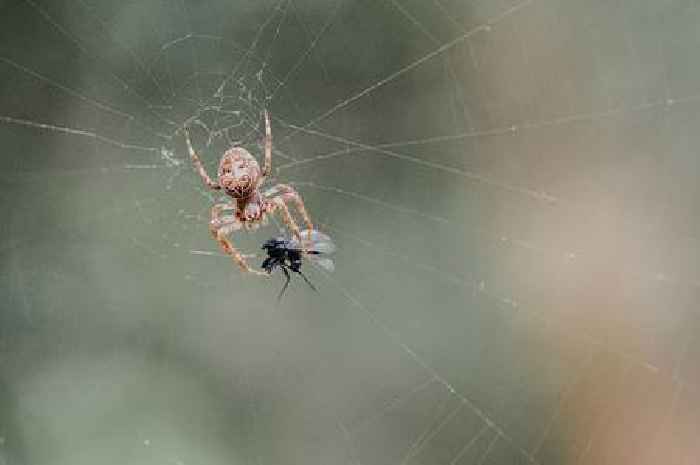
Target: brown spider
column 240, row 177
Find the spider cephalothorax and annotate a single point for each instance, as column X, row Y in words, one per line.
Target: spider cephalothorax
column 240, row 177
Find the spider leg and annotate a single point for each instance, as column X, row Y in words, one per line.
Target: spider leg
column 216, row 221
column 289, row 194
column 277, row 203
column 220, row 228
column 286, row 283
column 199, row 166
column 280, row 195
column 267, row 166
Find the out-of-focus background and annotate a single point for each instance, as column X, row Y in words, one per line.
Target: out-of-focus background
column 512, row 186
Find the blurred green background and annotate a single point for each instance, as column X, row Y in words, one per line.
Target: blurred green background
column 512, row 187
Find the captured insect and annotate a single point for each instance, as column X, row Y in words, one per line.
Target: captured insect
column 288, row 255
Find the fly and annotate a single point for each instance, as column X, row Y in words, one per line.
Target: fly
column 288, row 255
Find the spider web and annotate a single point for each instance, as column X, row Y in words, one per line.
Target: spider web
column 511, row 185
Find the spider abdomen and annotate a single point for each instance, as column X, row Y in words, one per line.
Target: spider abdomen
column 239, row 173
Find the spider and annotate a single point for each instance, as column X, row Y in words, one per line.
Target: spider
column 240, row 178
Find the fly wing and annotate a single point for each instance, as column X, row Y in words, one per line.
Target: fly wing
column 323, row 247
column 316, row 241
column 325, row 263
column 314, row 236
column 294, row 244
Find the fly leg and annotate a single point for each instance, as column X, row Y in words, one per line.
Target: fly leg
column 286, row 283
column 307, row 281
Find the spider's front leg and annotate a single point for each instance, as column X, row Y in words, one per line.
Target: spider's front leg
column 267, row 165
column 220, row 228
column 211, row 184
column 277, row 203
column 280, row 194
column 287, row 193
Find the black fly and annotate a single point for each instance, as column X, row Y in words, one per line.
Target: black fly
column 288, row 254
